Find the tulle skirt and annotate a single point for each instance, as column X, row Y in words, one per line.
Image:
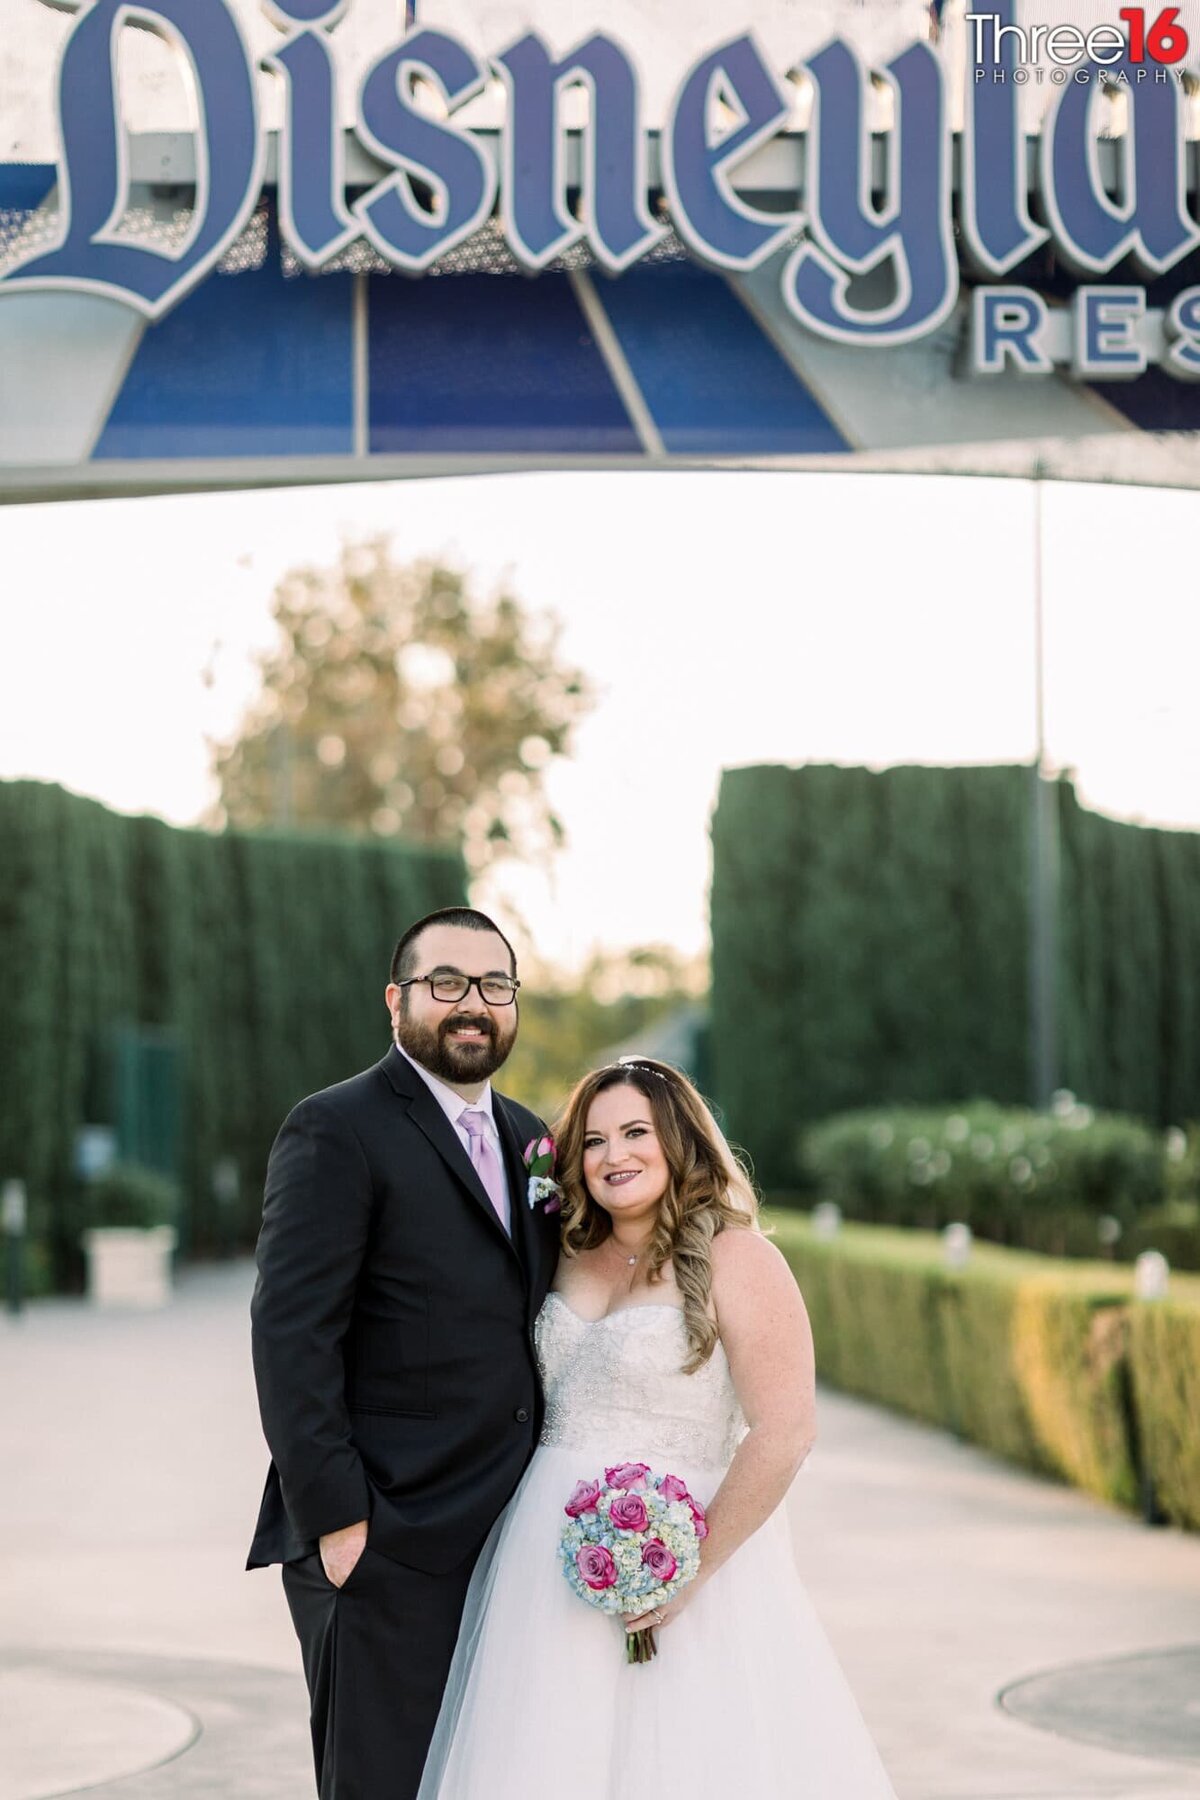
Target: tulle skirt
column 744, row 1697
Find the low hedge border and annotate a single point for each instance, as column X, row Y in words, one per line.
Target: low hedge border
column 1054, row 1365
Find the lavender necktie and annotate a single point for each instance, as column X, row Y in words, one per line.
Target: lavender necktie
column 485, row 1161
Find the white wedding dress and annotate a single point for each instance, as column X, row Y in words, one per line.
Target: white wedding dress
column 745, row 1696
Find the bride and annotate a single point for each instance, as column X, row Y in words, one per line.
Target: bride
column 674, row 1335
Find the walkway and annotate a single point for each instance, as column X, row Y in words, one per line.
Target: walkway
column 138, row 1660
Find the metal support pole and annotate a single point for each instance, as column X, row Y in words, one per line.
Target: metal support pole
column 1044, row 865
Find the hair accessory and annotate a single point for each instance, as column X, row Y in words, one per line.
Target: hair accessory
column 632, row 1062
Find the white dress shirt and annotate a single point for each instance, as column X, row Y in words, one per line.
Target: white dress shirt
column 454, row 1106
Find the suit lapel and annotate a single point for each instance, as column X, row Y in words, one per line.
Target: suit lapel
column 429, row 1118
column 537, row 1232
column 518, row 1182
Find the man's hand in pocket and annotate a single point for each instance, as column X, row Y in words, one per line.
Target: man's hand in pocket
column 341, row 1549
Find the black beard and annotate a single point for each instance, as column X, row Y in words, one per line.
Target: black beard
column 462, row 1063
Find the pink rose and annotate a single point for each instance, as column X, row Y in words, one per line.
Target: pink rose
column 596, row 1566
column 699, row 1518
column 583, row 1499
column 545, row 1146
column 628, row 1513
column 658, row 1560
column 671, row 1488
column 527, row 1153
column 627, row 1475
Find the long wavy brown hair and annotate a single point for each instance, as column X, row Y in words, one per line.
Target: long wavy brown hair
column 708, row 1189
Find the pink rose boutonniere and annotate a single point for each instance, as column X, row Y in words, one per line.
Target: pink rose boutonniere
column 543, row 1190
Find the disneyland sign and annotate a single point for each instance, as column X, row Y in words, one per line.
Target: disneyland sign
column 438, row 183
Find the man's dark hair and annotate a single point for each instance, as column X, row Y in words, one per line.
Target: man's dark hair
column 465, row 918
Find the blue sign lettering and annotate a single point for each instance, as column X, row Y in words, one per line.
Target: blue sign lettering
column 911, row 232
column 710, row 218
column 1106, row 321
column 1007, row 331
column 996, row 225
column 1183, row 333
column 1151, row 220
column 313, row 214
column 871, row 271
column 93, row 174
column 447, row 161
column 615, row 218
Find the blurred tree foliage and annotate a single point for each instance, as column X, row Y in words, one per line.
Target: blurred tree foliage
column 570, row 1024
column 398, row 703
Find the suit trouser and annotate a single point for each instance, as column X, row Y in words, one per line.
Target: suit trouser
column 376, row 1656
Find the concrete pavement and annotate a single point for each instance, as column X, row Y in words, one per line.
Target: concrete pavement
column 1007, row 1639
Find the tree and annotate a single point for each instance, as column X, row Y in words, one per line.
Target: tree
column 398, row 703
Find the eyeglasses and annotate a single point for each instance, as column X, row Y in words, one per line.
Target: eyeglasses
column 449, row 985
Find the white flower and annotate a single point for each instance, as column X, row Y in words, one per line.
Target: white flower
column 542, row 1188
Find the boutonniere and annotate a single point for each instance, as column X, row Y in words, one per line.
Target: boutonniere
column 543, row 1190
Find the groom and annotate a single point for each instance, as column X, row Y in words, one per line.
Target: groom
column 401, row 1268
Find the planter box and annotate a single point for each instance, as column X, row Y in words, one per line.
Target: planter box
column 130, row 1268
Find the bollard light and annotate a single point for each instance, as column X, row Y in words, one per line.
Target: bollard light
column 13, row 1209
column 1151, row 1275
column 226, row 1187
column 826, row 1220
column 956, row 1246
column 14, row 1214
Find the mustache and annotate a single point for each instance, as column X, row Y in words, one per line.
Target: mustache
column 460, row 1021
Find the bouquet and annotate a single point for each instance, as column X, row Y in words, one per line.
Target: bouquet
column 630, row 1543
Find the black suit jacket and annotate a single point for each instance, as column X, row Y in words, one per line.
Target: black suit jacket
column 393, row 1324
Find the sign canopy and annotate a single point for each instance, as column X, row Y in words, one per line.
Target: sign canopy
column 317, row 242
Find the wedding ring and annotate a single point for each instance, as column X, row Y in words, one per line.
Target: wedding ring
column 657, row 1617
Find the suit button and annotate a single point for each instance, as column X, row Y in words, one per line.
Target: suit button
column 522, row 1415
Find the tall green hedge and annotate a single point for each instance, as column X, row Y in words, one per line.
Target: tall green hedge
column 871, row 945
column 262, row 958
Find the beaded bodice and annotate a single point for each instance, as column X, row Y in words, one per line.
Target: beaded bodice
column 616, row 1384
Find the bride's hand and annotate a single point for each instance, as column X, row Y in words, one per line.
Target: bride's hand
column 663, row 1615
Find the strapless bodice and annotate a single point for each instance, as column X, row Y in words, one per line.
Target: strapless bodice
column 617, row 1384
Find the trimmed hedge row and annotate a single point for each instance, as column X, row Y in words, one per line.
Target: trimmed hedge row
column 1052, row 1365
column 258, row 962
column 1007, row 1172
column 1164, row 1357
column 871, row 945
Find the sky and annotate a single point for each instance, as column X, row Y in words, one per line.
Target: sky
column 725, row 618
